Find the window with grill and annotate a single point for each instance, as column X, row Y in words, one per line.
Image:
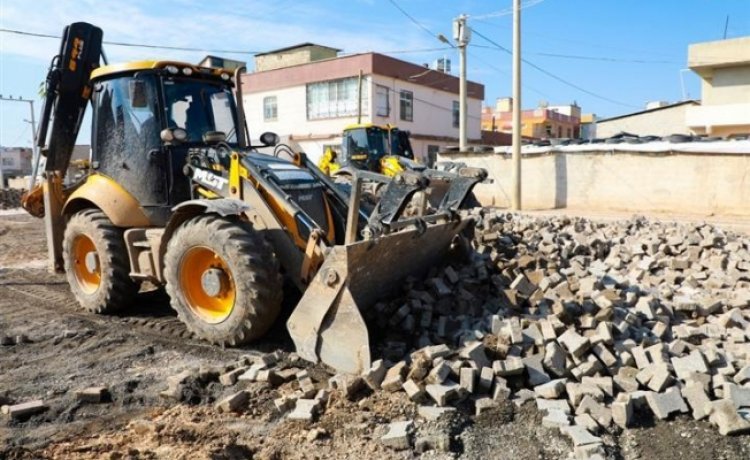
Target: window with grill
column 382, row 101
column 336, row 98
column 270, row 109
column 406, row 106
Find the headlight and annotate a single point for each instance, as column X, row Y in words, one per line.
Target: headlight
column 187, row 71
column 225, row 76
column 179, row 134
column 172, row 69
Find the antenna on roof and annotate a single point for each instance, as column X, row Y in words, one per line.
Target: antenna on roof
column 726, row 26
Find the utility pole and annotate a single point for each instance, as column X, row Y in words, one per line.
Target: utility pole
column 516, row 105
column 462, row 36
column 34, row 147
column 359, row 98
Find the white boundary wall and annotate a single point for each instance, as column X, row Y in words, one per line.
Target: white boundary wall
column 700, row 178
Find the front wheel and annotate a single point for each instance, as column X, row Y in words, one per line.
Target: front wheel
column 223, row 279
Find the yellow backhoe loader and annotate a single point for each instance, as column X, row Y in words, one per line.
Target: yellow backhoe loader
column 382, row 149
column 174, row 194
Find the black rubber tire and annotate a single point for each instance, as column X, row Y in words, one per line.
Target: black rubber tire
column 116, row 289
column 254, row 269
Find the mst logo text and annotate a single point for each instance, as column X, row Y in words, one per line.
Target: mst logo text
column 212, row 180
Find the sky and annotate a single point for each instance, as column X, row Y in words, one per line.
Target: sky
column 608, row 56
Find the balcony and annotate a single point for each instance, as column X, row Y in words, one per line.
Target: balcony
column 707, row 117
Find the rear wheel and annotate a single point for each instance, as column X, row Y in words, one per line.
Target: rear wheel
column 96, row 263
column 223, row 279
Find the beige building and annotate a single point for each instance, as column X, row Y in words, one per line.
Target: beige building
column 293, row 55
column 661, row 120
column 724, row 68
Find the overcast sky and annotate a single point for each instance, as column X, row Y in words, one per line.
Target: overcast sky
column 613, row 56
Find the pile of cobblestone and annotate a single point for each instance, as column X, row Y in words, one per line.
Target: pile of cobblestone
column 600, row 324
column 10, row 198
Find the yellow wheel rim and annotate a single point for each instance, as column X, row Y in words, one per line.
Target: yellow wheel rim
column 86, row 266
column 198, row 264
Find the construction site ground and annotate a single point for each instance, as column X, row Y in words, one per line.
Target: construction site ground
column 133, row 354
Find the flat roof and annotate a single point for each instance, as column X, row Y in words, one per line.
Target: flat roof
column 300, row 45
column 350, row 66
column 655, row 109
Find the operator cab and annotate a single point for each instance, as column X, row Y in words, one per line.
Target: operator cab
column 363, row 147
column 148, row 115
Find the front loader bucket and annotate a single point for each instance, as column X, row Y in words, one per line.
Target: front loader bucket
column 327, row 325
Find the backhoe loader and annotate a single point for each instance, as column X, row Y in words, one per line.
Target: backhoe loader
column 173, row 194
column 382, row 149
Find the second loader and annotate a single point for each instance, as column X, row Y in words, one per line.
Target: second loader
column 174, row 194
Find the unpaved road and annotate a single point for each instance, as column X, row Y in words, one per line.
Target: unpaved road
column 133, row 354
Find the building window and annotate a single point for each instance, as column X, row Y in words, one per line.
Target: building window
column 336, row 98
column 270, row 109
column 8, row 162
column 406, row 106
column 382, row 101
column 456, row 113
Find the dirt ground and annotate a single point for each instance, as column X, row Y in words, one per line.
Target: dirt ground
column 133, row 354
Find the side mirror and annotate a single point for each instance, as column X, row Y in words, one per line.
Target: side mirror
column 269, row 139
column 137, row 93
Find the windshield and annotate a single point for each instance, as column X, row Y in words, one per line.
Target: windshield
column 199, row 107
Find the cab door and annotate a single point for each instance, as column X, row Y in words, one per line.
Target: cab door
column 126, row 140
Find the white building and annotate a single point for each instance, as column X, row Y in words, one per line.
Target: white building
column 312, row 100
column 14, row 162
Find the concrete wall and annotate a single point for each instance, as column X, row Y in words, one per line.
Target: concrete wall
column 632, row 182
column 729, row 85
column 662, row 122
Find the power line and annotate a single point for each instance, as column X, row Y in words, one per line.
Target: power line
column 134, row 45
column 507, row 11
column 179, row 48
column 587, row 58
column 553, row 76
column 423, row 27
column 419, row 24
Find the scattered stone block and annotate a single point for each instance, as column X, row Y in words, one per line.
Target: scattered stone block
column 535, row 369
column 555, row 419
column 697, row 399
column 468, row 378
column 664, row 404
column 398, row 435
column 394, row 378
column 93, row 395
column 740, row 396
column 580, row 435
column 374, row 376
column 414, row 391
column 230, row 378
column 555, row 359
column 725, row 416
column 443, row 392
column 574, row 343
column 26, row 409
column 622, row 411
column 550, row 390
column 234, row 402
column 433, row 413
